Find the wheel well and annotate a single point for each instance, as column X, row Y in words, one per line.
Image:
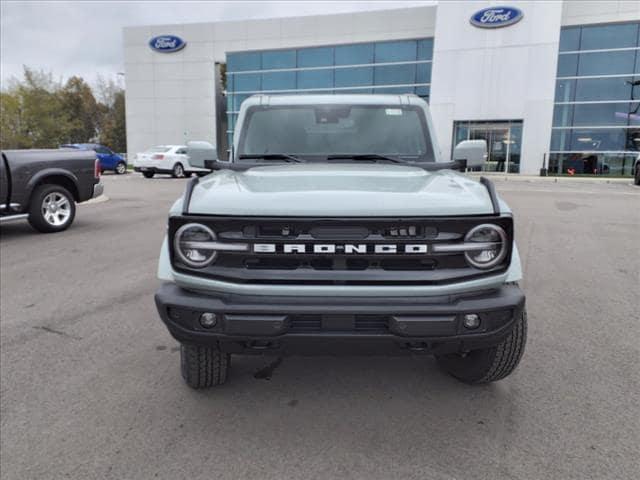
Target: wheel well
column 61, row 180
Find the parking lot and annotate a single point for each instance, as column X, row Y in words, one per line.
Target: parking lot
column 91, row 388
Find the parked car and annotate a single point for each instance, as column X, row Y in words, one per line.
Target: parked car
column 170, row 159
column 43, row 186
column 338, row 228
column 636, row 171
column 109, row 160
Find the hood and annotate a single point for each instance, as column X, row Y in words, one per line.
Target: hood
column 339, row 190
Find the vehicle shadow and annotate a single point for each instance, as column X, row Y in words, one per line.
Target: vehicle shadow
column 16, row 229
column 354, row 403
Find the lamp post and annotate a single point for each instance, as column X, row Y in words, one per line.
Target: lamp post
column 629, row 144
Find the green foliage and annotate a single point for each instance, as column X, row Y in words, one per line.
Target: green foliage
column 38, row 112
column 112, row 131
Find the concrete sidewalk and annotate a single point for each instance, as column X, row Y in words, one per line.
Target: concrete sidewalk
column 517, row 177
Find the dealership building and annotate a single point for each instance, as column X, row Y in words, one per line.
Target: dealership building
column 552, row 84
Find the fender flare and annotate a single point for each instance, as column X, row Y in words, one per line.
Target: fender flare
column 49, row 172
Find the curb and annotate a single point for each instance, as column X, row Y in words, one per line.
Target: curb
column 93, row 201
column 537, row 179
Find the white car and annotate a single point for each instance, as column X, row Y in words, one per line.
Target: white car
column 171, row 159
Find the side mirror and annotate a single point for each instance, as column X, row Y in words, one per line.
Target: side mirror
column 201, row 153
column 473, row 152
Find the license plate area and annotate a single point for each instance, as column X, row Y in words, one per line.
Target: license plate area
column 338, row 322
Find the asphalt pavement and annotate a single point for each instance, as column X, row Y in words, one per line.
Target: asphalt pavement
column 90, row 386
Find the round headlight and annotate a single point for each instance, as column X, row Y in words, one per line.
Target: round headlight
column 190, row 245
column 493, row 248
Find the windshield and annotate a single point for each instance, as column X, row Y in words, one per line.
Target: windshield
column 158, row 149
column 322, row 131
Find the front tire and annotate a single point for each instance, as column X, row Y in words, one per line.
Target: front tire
column 52, row 208
column 203, row 366
column 488, row 364
column 636, row 176
column 178, row 171
column 121, row 168
column 148, row 174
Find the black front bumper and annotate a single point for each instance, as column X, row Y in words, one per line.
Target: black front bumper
column 340, row 325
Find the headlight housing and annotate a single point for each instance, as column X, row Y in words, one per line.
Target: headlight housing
column 491, row 246
column 190, row 247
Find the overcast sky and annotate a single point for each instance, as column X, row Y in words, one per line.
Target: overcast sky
column 85, row 37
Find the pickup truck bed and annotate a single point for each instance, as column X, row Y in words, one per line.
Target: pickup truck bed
column 60, row 178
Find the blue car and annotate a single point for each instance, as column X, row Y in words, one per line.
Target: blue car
column 108, row 160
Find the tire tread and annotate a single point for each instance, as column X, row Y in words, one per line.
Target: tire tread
column 490, row 364
column 203, row 366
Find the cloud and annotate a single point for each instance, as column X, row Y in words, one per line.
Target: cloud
column 85, row 38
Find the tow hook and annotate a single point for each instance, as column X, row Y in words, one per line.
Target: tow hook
column 417, row 346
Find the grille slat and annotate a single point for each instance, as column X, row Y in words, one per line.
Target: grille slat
column 342, row 267
column 362, row 323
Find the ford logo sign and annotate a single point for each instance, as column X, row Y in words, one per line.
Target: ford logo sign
column 167, row 43
column 496, row 17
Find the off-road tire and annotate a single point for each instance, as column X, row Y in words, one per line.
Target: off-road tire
column 178, row 171
column 203, row 367
column 636, row 176
column 148, row 174
column 489, row 364
column 36, row 217
column 121, row 168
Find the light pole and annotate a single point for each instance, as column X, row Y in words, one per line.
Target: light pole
column 628, row 141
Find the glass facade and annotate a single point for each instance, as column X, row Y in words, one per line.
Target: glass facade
column 596, row 118
column 504, row 142
column 399, row 66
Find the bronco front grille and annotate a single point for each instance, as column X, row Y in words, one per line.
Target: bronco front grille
column 349, row 251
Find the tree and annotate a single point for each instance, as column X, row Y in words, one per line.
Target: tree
column 80, row 110
column 113, row 130
column 37, row 120
column 10, row 129
column 38, row 112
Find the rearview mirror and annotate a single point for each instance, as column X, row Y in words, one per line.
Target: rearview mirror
column 473, row 152
column 200, row 153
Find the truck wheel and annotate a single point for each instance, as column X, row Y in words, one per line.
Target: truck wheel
column 52, row 208
column 636, row 176
column 202, row 366
column 178, row 171
column 121, row 168
column 148, row 174
column 489, row 364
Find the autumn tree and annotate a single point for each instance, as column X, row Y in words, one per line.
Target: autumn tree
column 37, row 111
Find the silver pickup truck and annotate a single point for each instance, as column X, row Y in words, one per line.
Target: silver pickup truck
column 337, row 228
column 43, row 186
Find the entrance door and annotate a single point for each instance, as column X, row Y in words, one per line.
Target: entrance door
column 503, row 139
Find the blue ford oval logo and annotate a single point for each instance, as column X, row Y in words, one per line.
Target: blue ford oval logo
column 495, row 17
column 167, row 43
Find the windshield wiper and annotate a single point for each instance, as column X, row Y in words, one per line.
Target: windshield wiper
column 269, row 156
column 366, row 156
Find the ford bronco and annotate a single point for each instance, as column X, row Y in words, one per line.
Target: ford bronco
column 336, row 227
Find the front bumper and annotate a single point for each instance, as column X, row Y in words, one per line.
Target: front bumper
column 341, row 325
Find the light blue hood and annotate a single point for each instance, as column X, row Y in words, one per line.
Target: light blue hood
column 339, row 190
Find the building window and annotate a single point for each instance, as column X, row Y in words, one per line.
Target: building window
column 504, row 142
column 596, row 120
column 400, row 66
